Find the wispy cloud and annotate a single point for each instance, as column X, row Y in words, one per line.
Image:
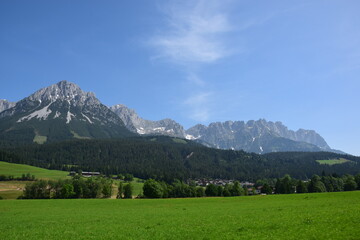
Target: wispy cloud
column 198, row 104
column 194, row 32
column 195, row 79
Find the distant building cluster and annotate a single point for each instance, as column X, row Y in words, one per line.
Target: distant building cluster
column 86, row 174
column 220, row 182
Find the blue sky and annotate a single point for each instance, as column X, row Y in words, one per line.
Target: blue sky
column 195, row 61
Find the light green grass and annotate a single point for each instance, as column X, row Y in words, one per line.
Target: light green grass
column 298, row 216
column 178, row 140
column 137, row 184
column 40, row 139
column 40, row 173
column 11, row 189
column 78, row 136
column 333, row 161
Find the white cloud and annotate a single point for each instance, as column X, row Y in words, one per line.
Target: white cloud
column 194, row 33
column 195, row 79
column 199, row 106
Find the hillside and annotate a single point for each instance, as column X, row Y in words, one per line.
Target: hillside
column 168, row 158
column 17, row 170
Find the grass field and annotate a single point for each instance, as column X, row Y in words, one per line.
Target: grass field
column 13, row 189
column 296, row 216
column 333, row 161
column 137, row 184
column 40, row 173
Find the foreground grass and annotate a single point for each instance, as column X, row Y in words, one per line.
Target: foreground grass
column 40, row 173
column 296, row 216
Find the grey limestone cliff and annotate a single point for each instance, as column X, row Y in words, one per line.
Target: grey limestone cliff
column 141, row 126
column 257, row 136
column 5, row 104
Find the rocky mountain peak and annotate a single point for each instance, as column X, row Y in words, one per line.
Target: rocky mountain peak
column 63, row 90
column 62, row 111
column 142, row 126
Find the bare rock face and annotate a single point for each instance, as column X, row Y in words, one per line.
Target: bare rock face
column 257, row 136
column 5, row 104
column 253, row 136
column 136, row 124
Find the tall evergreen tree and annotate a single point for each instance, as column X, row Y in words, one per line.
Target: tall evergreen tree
column 301, row 187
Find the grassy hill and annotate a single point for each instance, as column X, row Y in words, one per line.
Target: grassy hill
column 13, row 189
column 40, row 173
column 296, row 216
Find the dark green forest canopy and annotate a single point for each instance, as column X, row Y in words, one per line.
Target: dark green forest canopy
column 165, row 158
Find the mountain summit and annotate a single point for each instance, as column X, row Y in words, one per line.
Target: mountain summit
column 64, row 91
column 141, row 126
column 60, row 111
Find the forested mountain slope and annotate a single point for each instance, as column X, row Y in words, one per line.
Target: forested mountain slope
column 168, row 158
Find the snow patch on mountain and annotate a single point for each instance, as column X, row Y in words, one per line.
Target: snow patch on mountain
column 69, row 116
column 57, row 114
column 140, row 131
column 41, row 114
column 191, row 137
column 87, row 118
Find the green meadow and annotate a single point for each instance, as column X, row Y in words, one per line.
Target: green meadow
column 13, row 189
column 296, row 216
column 40, row 173
column 333, row 161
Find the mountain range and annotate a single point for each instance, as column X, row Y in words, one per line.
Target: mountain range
column 63, row 111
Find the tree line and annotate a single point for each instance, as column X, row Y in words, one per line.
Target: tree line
column 325, row 183
column 24, row 177
column 77, row 187
column 178, row 189
column 101, row 187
